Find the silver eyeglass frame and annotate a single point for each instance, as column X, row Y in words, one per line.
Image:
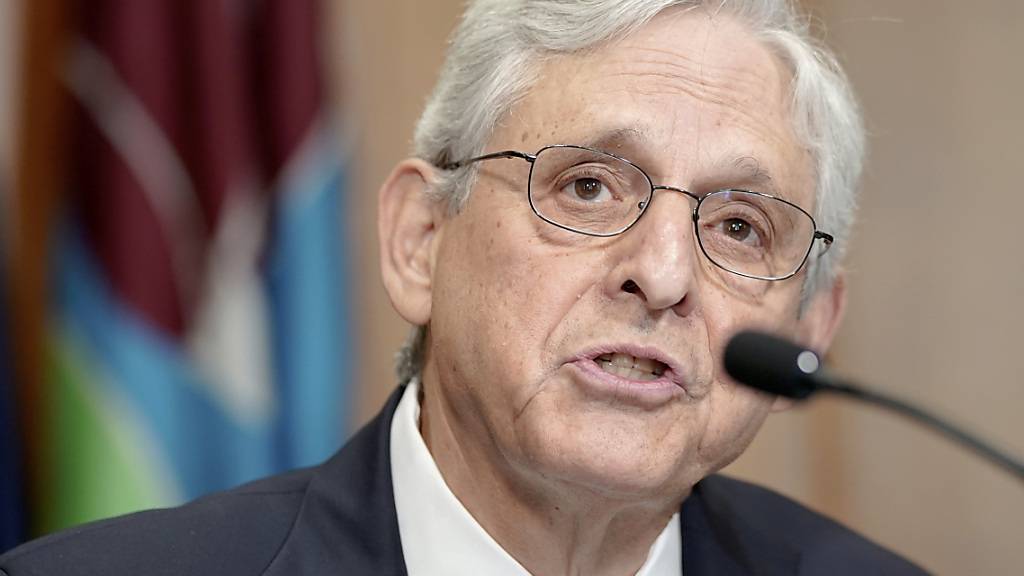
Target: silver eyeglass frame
column 826, row 238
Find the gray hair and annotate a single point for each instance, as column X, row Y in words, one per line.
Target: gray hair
column 492, row 62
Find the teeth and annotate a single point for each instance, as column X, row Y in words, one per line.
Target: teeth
column 630, row 367
column 649, row 365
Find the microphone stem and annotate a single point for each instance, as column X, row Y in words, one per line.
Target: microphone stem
column 928, row 419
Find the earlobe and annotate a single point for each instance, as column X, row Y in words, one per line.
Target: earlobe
column 782, row 404
column 408, row 225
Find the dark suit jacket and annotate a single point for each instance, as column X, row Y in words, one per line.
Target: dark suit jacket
column 339, row 518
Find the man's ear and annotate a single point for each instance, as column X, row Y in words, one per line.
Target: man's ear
column 408, row 223
column 819, row 323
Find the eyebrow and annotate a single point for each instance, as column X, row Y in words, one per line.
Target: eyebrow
column 635, row 140
column 610, row 140
column 758, row 174
column 751, row 172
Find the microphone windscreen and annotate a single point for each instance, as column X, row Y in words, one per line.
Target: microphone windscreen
column 771, row 364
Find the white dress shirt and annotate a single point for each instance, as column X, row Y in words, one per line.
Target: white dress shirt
column 441, row 538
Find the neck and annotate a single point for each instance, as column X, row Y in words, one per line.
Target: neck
column 549, row 526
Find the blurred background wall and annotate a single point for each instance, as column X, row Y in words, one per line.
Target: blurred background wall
column 936, row 273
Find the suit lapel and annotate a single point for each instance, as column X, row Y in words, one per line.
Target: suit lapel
column 348, row 524
column 717, row 541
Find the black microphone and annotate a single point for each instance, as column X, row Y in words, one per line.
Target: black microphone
column 777, row 366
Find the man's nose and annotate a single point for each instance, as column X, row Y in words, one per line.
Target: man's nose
column 656, row 258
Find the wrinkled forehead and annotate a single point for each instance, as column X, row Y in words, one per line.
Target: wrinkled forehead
column 692, row 95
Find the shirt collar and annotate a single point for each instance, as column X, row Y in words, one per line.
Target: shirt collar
column 440, row 537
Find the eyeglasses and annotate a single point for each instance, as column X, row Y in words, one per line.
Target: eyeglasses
column 599, row 194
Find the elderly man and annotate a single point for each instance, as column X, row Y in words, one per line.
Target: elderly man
column 602, row 193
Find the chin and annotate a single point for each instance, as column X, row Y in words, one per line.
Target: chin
column 609, row 463
column 623, row 479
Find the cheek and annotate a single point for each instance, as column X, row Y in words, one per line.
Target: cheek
column 776, row 312
column 737, row 412
column 499, row 290
column 736, row 416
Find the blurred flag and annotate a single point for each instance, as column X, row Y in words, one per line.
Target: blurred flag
column 11, row 498
column 197, row 325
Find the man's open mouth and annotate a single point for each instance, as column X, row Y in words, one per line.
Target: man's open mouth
column 631, row 367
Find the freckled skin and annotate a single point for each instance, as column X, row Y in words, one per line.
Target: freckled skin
column 514, row 298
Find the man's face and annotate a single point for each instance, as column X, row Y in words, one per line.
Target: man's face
column 524, row 315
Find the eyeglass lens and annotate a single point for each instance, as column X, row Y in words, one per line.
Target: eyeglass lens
column 599, row 194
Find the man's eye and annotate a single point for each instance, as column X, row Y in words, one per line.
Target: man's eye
column 740, row 230
column 587, row 189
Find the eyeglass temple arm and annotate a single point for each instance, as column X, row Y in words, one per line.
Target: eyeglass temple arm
column 491, row 156
column 826, row 238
